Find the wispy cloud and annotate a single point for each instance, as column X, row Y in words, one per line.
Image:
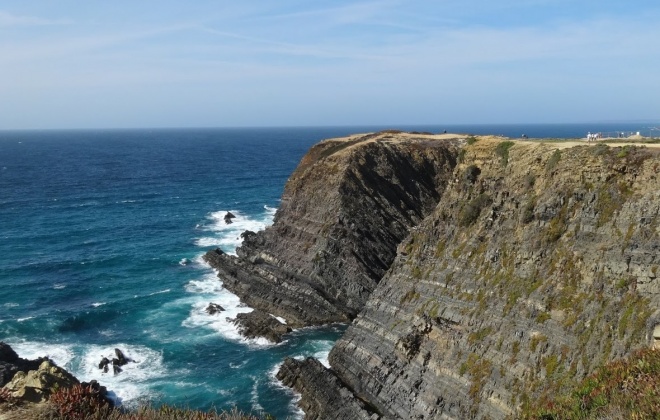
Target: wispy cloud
column 8, row 20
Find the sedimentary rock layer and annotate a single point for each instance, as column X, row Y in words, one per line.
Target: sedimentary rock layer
column 536, row 266
column 344, row 211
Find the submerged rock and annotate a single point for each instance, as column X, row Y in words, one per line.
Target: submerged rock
column 214, row 308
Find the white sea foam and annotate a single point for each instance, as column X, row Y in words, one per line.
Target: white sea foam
column 60, row 354
column 97, row 304
column 184, row 261
column 160, row 292
column 82, row 361
column 228, row 235
column 129, row 385
column 295, row 397
column 254, row 396
column 209, row 289
column 11, row 305
column 279, row 318
column 24, row 319
column 59, row 286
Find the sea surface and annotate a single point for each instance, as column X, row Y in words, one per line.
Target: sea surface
column 101, row 238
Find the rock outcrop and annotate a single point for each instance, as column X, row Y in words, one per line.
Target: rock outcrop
column 37, row 385
column 10, row 363
column 329, row 391
column 258, row 323
column 343, row 212
column 536, row 266
column 31, row 383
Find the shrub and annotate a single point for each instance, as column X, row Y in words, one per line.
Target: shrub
column 471, row 140
column 502, row 150
column 529, row 180
column 471, row 174
column 470, row 213
column 528, row 211
column 554, row 159
column 628, row 388
column 79, row 402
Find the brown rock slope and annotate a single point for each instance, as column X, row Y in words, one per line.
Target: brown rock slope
column 344, row 210
column 535, row 267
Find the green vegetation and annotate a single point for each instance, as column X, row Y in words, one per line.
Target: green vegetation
column 411, row 295
column 471, row 140
column 502, row 150
column 624, row 389
column 471, row 174
column 479, row 335
column 542, row 317
column 529, row 181
column 83, row 403
column 528, row 210
column 470, row 213
column 554, row 159
column 536, row 340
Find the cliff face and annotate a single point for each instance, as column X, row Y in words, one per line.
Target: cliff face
column 343, row 213
column 535, row 267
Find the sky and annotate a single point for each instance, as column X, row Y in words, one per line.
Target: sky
column 202, row 63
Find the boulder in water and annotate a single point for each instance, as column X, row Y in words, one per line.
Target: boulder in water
column 214, row 308
column 228, row 217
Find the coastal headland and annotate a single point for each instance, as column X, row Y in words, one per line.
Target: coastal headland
column 479, row 273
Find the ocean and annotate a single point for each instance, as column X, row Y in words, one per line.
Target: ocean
column 101, row 238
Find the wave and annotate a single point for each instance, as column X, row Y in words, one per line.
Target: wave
column 129, row 386
column 299, row 414
column 209, row 289
column 160, row 292
column 228, row 235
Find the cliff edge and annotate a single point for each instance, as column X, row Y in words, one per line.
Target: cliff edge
column 344, row 210
column 537, row 266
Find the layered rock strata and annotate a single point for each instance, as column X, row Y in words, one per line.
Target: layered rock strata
column 537, row 265
column 344, row 210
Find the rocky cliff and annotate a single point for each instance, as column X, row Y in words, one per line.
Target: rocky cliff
column 344, row 211
column 484, row 272
column 537, row 266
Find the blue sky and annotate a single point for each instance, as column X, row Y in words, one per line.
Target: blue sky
column 147, row 63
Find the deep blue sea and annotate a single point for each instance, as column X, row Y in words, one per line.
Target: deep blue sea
column 101, row 238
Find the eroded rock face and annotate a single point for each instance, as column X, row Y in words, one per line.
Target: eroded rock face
column 37, row 385
column 525, row 275
column 324, row 396
column 10, row 363
column 343, row 213
column 257, row 324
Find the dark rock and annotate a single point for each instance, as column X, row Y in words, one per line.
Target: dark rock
column 121, row 358
column 228, row 217
column 103, row 364
column 7, row 354
column 343, row 213
column 260, row 324
column 11, row 363
column 214, row 308
column 323, row 394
